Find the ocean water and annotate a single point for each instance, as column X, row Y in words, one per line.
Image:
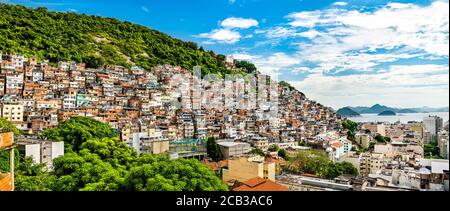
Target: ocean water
column 404, row 118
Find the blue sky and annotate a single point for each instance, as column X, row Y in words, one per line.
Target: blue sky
column 337, row 52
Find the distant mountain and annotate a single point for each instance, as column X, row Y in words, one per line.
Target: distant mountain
column 428, row 109
column 377, row 108
column 406, row 111
column 387, row 113
column 347, row 112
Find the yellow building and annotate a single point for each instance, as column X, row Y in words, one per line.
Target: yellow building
column 363, row 140
column 371, row 163
column 418, row 128
column 244, row 168
column 375, row 128
column 156, row 147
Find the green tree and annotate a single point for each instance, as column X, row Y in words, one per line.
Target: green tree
column 78, row 130
column 307, row 162
column 257, row 151
column 333, row 170
column 213, row 149
column 102, row 163
column 274, row 148
column 6, row 126
column 351, row 128
column 382, row 139
column 27, row 167
column 174, row 175
column 349, row 125
column 5, row 162
column 283, row 154
column 247, row 66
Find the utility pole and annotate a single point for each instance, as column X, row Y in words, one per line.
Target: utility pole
column 11, row 168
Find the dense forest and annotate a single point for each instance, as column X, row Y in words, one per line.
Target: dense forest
column 95, row 40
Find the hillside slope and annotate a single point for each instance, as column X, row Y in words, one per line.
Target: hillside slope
column 96, row 41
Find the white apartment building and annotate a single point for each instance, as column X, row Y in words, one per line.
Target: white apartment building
column 12, row 112
column 433, row 124
column 14, row 81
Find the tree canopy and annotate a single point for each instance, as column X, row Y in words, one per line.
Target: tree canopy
column 382, row 139
column 78, row 130
column 213, row 149
column 351, row 127
column 317, row 163
column 246, row 66
column 274, row 148
column 283, row 154
column 6, row 126
column 101, row 162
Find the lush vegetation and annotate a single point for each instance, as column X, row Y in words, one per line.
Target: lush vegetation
column 4, row 160
column 257, row 151
column 96, row 41
column 283, row 154
column 213, row 149
column 432, row 150
column 6, row 126
column 78, row 130
column 286, row 85
column 274, row 148
column 317, row 163
column 103, row 163
column 382, row 139
column 246, row 66
column 351, row 127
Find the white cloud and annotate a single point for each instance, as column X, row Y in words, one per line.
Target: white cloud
column 229, row 34
column 222, row 35
column 311, row 34
column 241, row 23
column 395, row 25
column 401, row 85
column 273, row 64
column 342, row 50
column 145, row 9
column 280, row 32
column 340, row 3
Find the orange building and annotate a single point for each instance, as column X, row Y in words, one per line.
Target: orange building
column 259, row 184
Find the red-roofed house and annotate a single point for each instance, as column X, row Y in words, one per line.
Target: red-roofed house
column 260, row 184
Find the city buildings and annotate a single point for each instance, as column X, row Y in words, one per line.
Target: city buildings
column 150, row 111
column 234, row 149
column 433, row 124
